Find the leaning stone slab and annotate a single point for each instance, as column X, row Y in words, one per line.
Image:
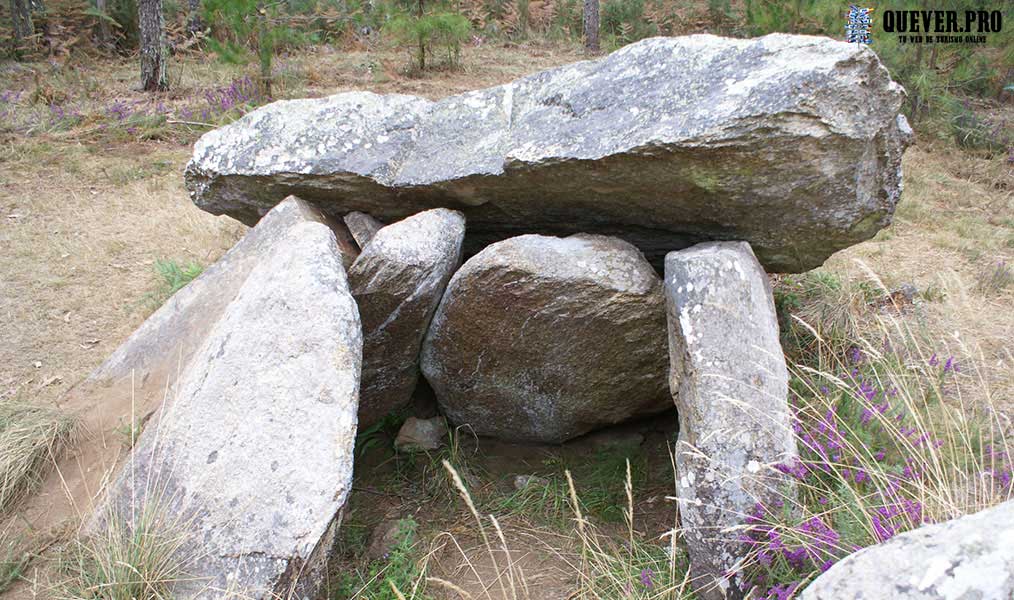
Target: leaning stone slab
column 728, row 377
column 969, row 557
column 251, row 457
column 132, row 383
column 542, row 339
column 792, row 143
column 170, row 336
column 398, row 280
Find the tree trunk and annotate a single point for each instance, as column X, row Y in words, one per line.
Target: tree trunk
column 151, row 23
column 104, row 38
column 591, row 26
column 21, row 17
column 194, row 22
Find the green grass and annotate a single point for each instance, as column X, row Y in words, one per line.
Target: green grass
column 172, row 276
column 401, row 570
column 600, row 479
column 31, row 436
column 13, row 560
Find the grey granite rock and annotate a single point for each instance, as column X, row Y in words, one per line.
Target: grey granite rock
column 542, row 339
column 421, row 435
column 966, row 558
column 251, row 457
column 792, row 143
column 170, row 336
column 730, row 383
column 362, row 227
column 398, row 280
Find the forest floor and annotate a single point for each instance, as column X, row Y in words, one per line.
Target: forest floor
column 92, row 196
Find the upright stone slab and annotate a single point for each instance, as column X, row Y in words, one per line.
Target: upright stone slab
column 969, row 557
column 542, row 339
column 398, row 280
column 792, row 143
column 251, row 457
column 727, row 374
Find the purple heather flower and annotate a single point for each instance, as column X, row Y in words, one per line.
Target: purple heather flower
column 934, row 361
column 646, row 578
column 882, row 529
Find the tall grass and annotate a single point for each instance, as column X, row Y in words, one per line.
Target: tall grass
column 892, row 432
column 137, row 557
column 30, row 438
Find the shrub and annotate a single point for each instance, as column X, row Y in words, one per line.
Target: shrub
column 245, row 29
column 445, row 31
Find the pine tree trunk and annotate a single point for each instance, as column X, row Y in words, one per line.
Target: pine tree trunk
column 151, row 23
column 194, row 22
column 21, row 17
column 104, row 39
column 591, row 26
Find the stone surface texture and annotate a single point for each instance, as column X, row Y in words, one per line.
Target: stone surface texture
column 542, row 339
column 362, row 227
column 170, row 336
column 252, row 455
column 421, row 435
column 967, row 558
column 792, row 143
column 398, row 280
column 730, row 384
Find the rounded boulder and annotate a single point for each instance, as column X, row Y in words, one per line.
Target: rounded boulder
column 542, row 339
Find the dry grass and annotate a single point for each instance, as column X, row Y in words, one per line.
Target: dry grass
column 955, row 221
column 85, row 215
column 137, row 559
column 31, row 436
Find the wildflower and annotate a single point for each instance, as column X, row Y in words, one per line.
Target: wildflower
column 933, row 361
column 882, row 529
column 646, row 578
